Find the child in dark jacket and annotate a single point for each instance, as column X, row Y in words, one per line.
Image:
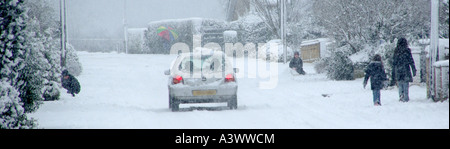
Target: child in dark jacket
column 297, row 64
column 375, row 71
column 70, row 83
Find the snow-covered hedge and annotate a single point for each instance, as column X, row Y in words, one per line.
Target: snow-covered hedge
column 12, row 115
column 185, row 28
column 73, row 64
column 338, row 66
column 251, row 29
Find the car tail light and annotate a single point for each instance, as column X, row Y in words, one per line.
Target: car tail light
column 229, row 78
column 177, row 79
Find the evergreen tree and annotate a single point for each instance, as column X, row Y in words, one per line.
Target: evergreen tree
column 12, row 115
column 12, row 52
column 32, row 73
column 72, row 62
column 339, row 66
column 43, row 27
column 51, row 53
column 12, row 39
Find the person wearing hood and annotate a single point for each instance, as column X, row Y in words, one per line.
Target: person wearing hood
column 70, row 83
column 297, row 64
column 403, row 65
column 375, row 71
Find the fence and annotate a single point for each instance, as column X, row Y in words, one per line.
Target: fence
column 441, row 79
column 310, row 52
column 313, row 50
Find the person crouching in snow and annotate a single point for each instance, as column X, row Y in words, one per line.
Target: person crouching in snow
column 297, row 64
column 375, row 71
column 70, row 83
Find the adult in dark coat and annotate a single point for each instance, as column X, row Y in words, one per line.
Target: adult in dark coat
column 375, row 71
column 403, row 65
column 297, row 64
column 70, row 83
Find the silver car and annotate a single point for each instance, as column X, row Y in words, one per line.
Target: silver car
column 204, row 76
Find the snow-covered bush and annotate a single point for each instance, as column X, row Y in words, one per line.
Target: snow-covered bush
column 13, row 52
column 251, row 29
column 51, row 67
column 386, row 51
column 321, row 65
column 41, row 71
column 159, row 45
column 51, row 91
column 185, row 29
column 12, row 115
column 31, row 76
column 339, row 65
column 21, row 60
column 44, row 33
column 230, row 36
column 12, row 39
column 43, row 63
column 73, row 64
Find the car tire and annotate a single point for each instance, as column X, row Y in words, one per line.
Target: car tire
column 170, row 101
column 232, row 104
column 174, row 105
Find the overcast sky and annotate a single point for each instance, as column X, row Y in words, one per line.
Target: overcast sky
column 104, row 18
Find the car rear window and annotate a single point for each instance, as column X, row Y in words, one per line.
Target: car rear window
column 203, row 63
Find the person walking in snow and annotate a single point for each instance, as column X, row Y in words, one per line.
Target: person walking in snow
column 70, row 83
column 402, row 65
column 375, row 71
column 297, row 64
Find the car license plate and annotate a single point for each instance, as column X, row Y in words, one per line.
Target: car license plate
column 204, row 92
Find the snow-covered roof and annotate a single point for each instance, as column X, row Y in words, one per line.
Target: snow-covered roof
column 314, row 41
column 177, row 20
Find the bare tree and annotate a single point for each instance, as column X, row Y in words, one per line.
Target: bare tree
column 360, row 22
column 269, row 12
column 300, row 21
column 236, row 9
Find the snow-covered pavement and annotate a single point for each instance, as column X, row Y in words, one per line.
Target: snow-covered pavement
column 130, row 91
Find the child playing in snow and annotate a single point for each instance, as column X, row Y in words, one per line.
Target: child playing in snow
column 375, row 71
column 70, row 83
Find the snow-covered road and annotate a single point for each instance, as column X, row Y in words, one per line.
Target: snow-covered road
column 130, row 91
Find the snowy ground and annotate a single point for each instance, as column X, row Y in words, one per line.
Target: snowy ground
column 130, row 91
